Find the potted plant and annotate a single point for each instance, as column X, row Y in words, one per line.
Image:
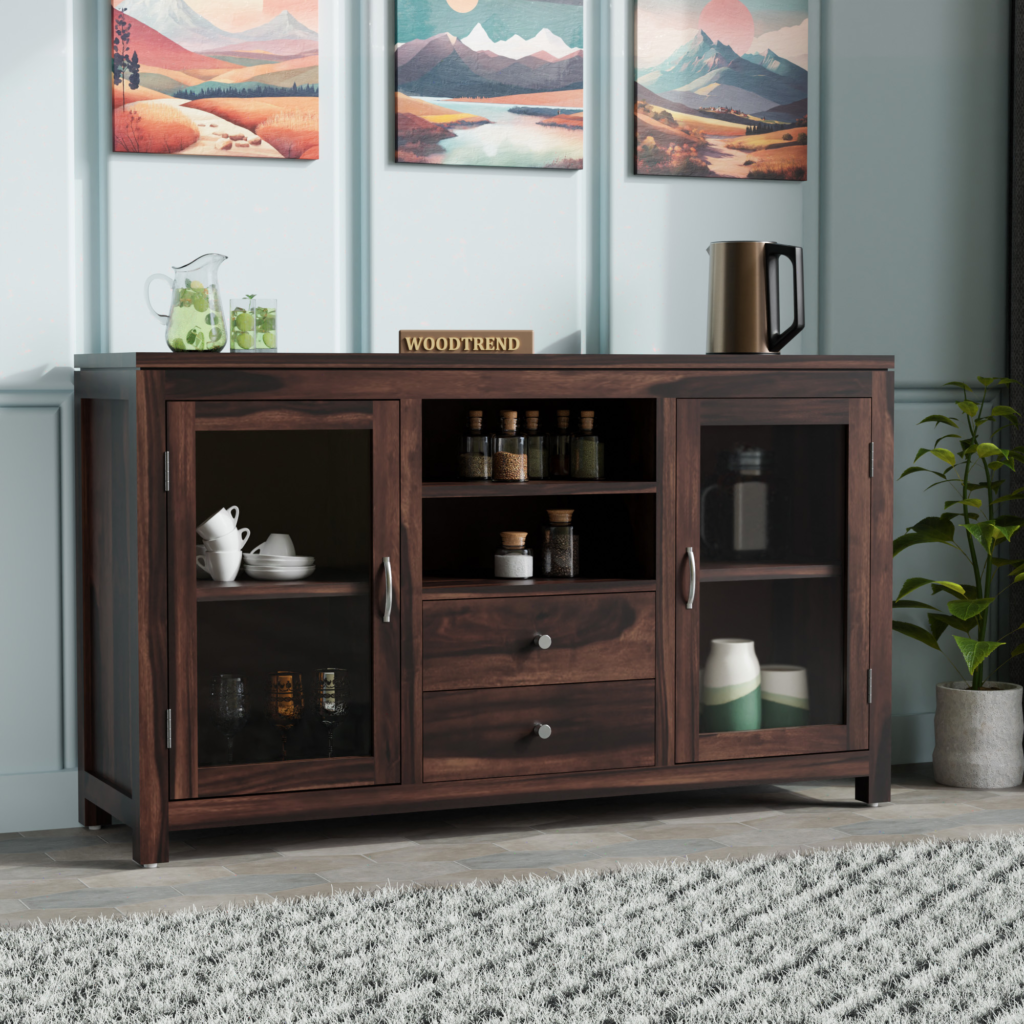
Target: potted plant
column 979, row 725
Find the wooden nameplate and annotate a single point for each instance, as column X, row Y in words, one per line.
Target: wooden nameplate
column 466, row 342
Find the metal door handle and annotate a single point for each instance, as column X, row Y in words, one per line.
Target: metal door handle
column 693, row 577
column 388, row 589
column 542, row 730
column 543, row 641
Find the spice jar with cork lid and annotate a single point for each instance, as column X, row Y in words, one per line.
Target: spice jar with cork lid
column 513, row 560
column 561, row 446
column 561, row 553
column 536, row 447
column 587, row 450
column 508, row 451
column 475, row 455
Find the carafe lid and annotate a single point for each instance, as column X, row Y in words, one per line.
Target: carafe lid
column 560, row 516
column 513, row 539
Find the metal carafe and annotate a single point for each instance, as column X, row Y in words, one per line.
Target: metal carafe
column 743, row 297
column 196, row 318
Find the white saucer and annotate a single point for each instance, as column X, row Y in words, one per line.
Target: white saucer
column 278, row 561
column 297, row 572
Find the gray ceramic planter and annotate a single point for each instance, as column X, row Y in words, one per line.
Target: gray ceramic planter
column 978, row 736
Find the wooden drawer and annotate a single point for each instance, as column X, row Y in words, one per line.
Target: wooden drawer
column 469, row 644
column 486, row 734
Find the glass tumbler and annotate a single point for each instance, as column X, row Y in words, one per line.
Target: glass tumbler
column 253, row 324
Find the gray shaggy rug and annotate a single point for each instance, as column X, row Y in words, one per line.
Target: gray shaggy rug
column 927, row 931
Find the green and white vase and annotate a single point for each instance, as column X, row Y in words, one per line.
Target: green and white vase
column 730, row 691
column 784, row 696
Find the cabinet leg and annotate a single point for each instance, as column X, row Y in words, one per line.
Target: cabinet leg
column 93, row 817
column 150, row 846
column 873, row 789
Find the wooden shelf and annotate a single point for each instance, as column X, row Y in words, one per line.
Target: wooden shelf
column 729, row 572
column 490, row 489
column 323, row 583
column 441, row 589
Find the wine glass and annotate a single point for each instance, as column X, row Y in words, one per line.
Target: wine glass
column 230, row 708
column 331, row 700
column 285, row 704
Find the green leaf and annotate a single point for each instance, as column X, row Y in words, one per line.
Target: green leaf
column 915, row 633
column 918, row 469
column 914, row 604
column 934, row 528
column 969, row 609
column 909, row 586
column 945, row 454
column 1007, row 561
column 957, row 384
column 987, row 381
column 1006, row 410
column 1007, row 380
column 920, row 452
column 952, row 588
column 973, row 502
column 1019, row 649
column 940, row 419
column 970, row 408
column 939, row 622
column 976, row 651
column 985, row 533
column 987, row 450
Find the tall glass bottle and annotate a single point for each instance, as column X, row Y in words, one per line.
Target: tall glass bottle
column 508, row 448
column 561, row 556
column 537, row 447
column 475, row 454
column 587, row 450
column 561, row 446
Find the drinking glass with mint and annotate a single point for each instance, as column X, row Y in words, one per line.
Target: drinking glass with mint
column 253, row 324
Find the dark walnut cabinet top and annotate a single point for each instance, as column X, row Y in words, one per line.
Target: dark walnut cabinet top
column 729, row 622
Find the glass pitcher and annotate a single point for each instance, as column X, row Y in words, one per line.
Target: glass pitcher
column 196, row 320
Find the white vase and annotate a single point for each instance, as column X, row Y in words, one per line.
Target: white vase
column 784, row 696
column 730, row 692
column 978, row 735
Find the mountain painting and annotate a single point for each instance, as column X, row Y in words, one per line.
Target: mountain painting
column 229, row 78
column 721, row 88
column 489, row 83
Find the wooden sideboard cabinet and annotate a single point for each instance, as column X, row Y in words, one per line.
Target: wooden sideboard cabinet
column 402, row 675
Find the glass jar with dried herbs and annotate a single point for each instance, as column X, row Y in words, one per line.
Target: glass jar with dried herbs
column 475, row 454
column 536, row 447
column 561, row 553
column 587, row 450
column 559, row 464
column 508, row 451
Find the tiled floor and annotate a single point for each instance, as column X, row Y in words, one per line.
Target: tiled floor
column 76, row 873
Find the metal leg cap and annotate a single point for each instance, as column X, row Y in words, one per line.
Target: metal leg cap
column 94, row 828
column 149, row 865
column 874, row 805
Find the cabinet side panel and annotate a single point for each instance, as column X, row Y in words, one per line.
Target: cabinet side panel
column 106, row 592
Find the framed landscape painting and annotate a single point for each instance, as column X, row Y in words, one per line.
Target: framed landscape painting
column 228, row 78
column 721, row 88
column 489, row 83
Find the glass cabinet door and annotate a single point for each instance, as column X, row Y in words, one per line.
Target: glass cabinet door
column 772, row 616
column 285, row 677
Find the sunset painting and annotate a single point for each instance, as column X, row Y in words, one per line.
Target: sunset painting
column 229, row 78
column 489, row 83
column 721, row 88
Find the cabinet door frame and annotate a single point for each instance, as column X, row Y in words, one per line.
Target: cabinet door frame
column 186, row 780
column 691, row 416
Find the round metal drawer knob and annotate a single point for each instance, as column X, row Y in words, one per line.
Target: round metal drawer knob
column 542, row 730
column 543, row 641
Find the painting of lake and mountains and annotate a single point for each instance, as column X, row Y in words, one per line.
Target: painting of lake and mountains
column 489, row 83
column 721, row 88
column 227, row 78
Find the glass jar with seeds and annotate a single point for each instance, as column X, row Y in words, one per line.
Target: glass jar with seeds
column 587, row 450
column 475, row 456
column 536, row 447
column 513, row 560
column 561, row 446
column 508, row 451
column 561, row 553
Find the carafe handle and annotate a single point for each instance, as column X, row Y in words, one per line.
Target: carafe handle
column 163, row 317
column 794, row 253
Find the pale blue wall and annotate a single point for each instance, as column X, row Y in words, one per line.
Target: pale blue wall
column 902, row 222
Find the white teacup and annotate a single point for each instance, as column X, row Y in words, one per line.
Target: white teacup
column 201, row 574
column 275, row 544
column 223, row 566
column 233, row 541
column 219, row 523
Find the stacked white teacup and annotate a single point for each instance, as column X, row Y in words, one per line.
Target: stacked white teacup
column 275, row 559
column 220, row 554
